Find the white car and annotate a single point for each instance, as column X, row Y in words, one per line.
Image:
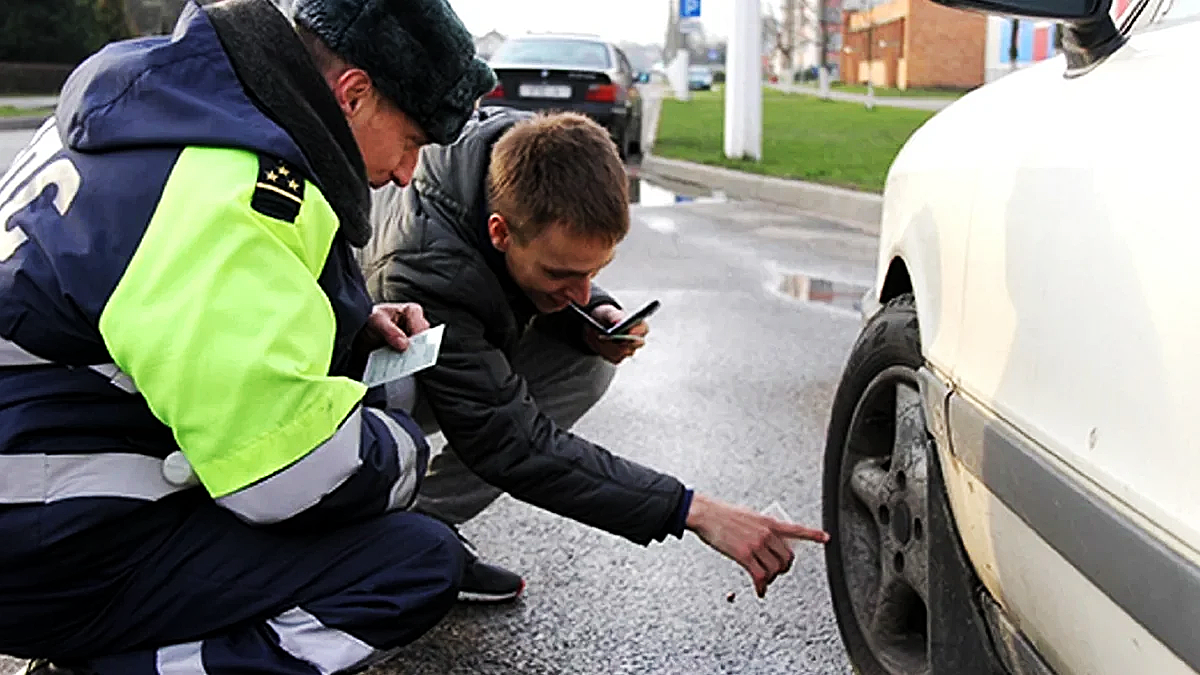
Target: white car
column 1012, row 471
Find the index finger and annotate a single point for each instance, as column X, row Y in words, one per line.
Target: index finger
column 794, row 531
column 415, row 319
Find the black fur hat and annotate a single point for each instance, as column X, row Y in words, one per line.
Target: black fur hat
column 417, row 52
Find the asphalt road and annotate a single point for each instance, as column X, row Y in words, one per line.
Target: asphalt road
column 11, row 143
column 731, row 395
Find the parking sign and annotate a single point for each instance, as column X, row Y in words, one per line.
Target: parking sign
column 689, row 9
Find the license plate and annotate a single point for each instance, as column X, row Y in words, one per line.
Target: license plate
column 545, row 91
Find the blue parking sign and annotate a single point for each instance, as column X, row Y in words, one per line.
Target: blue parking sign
column 689, row 9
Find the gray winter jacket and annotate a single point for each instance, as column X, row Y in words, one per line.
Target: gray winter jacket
column 431, row 247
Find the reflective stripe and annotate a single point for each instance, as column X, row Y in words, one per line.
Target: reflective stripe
column 404, row 491
column 117, row 377
column 49, row 478
column 303, row 483
column 327, row 649
column 13, row 355
column 184, row 659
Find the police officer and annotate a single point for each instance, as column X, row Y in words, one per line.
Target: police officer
column 192, row 478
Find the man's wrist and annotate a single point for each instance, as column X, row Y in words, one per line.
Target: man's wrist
column 697, row 512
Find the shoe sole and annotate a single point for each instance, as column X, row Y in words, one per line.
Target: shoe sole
column 490, row 598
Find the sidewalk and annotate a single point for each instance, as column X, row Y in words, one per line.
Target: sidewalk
column 849, row 97
column 28, row 101
column 861, row 210
column 31, row 103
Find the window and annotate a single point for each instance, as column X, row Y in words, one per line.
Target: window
column 561, row 53
column 624, row 62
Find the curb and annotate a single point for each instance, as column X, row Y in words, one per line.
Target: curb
column 23, row 122
column 862, row 209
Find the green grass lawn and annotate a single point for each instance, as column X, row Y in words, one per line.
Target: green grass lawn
column 804, row 137
column 11, row 111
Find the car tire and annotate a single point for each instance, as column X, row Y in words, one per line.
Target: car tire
column 876, row 564
column 889, row 519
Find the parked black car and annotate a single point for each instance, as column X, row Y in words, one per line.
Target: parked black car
column 584, row 74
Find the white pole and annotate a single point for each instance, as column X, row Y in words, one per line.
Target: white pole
column 743, row 83
column 680, row 68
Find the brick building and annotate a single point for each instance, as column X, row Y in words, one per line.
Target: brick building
column 914, row 43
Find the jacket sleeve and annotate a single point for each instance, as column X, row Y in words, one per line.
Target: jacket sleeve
column 224, row 330
column 488, row 417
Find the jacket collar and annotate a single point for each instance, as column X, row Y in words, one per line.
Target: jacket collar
column 279, row 77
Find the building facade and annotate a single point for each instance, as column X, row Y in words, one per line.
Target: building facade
column 913, row 44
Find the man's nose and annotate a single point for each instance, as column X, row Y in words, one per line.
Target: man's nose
column 580, row 292
column 403, row 173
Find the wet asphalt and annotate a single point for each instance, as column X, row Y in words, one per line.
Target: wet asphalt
column 731, row 395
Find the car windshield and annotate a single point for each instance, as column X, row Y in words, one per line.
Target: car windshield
column 572, row 53
column 698, row 71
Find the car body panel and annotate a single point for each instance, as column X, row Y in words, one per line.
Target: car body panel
column 618, row 116
column 1050, row 252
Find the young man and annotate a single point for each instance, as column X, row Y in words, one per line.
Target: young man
column 191, row 477
column 497, row 233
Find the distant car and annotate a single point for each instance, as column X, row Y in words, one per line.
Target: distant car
column 700, row 78
column 1011, row 462
column 570, row 72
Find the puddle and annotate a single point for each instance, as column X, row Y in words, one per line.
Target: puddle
column 824, row 291
column 646, row 192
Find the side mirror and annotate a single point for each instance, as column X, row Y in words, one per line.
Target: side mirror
column 1089, row 33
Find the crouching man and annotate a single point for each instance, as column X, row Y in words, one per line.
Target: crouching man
column 495, row 236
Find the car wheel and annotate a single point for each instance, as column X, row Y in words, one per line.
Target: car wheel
column 876, row 489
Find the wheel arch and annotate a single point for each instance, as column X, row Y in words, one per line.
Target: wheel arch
column 896, row 282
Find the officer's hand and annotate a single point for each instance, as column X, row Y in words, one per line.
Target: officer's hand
column 614, row 350
column 759, row 543
column 391, row 323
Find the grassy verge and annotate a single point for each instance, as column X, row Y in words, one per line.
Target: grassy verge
column 841, row 144
column 11, row 111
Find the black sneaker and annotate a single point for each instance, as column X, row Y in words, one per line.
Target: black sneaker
column 484, row 583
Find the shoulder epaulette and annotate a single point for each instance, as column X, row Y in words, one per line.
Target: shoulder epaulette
column 279, row 191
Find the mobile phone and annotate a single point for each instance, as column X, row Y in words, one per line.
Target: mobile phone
column 600, row 328
column 622, row 328
column 634, row 319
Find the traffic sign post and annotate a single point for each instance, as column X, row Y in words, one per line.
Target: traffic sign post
column 689, row 9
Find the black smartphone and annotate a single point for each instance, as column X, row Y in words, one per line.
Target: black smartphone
column 634, row 319
column 622, row 328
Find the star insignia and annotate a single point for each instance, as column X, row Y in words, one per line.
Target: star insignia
column 279, row 190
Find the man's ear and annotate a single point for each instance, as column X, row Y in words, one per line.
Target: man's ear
column 353, row 90
column 498, row 231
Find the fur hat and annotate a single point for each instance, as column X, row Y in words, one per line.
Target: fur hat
column 417, row 52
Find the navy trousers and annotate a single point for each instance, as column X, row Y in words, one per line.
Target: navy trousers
column 215, row 596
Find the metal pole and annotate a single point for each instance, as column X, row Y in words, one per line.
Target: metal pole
column 870, row 56
column 743, row 84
